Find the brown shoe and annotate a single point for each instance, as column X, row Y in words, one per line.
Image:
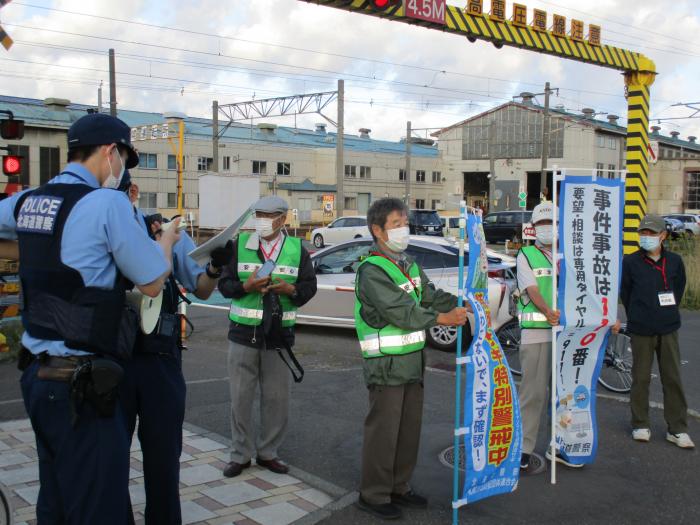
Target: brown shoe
column 274, row 465
column 234, row 469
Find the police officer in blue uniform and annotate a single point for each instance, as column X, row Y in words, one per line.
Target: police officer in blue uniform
column 154, row 387
column 76, row 247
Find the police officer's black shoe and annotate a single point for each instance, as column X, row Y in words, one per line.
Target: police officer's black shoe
column 385, row 511
column 410, row 499
column 234, row 469
column 273, row 465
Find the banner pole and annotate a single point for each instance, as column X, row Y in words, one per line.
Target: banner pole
column 555, row 267
column 458, row 370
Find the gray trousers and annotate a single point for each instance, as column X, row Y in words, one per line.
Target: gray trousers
column 392, row 437
column 249, row 368
column 532, row 393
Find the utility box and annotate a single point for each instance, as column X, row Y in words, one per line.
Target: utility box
column 223, row 199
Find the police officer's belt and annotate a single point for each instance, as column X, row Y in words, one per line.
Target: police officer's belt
column 58, row 368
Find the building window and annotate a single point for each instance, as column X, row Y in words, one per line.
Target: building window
column 420, row 204
column 693, row 190
column 259, row 167
column 365, row 172
column 601, row 140
column 148, row 161
column 599, row 169
column 148, row 200
column 402, row 174
column 420, row 176
column 49, row 164
column 227, row 164
column 434, row 204
column 437, row 178
column 204, row 163
column 611, row 171
column 350, row 172
column 172, row 163
column 172, row 200
column 284, row 168
column 351, row 203
column 612, row 143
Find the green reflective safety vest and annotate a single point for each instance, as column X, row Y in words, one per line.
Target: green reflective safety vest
column 529, row 315
column 248, row 309
column 390, row 340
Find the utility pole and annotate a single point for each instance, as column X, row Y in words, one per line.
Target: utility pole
column 99, row 98
column 215, row 135
column 492, row 163
column 545, row 140
column 112, row 85
column 408, row 164
column 339, row 162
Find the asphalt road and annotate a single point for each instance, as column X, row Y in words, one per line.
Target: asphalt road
column 629, row 483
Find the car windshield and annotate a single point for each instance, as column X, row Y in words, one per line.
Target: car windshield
column 426, row 218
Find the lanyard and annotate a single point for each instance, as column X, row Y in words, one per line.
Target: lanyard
column 399, row 267
column 661, row 268
column 268, row 255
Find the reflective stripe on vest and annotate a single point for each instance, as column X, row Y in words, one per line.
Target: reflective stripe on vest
column 390, row 340
column 248, row 310
column 530, row 316
column 372, row 343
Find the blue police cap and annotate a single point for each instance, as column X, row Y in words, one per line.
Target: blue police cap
column 98, row 129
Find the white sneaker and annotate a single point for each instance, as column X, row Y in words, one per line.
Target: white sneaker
column 681, row 440
column 560, row 459
column 641, row 434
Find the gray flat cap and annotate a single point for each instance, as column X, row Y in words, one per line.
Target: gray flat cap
column 272, row 204
column 653, row 223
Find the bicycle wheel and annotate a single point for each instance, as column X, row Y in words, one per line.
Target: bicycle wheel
column 509, row 336
column 616, row 372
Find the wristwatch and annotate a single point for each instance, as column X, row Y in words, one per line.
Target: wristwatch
column 213, row 275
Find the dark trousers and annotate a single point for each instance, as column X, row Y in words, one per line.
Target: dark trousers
column 392, row 437
column 154, row 390
column 665, row 347
column 83, row 469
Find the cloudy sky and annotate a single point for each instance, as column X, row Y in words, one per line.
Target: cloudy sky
column 175, row 57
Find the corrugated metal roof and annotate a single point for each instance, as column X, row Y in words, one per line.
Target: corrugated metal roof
column 36, row 113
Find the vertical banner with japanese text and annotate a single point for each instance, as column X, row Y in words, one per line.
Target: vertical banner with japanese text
column 590, row 252
column 491, row 426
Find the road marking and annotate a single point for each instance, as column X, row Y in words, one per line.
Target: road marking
column 10, row 401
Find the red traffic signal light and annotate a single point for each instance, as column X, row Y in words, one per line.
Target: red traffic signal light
column 12, row 129
column 11, row 164
column 383, row 5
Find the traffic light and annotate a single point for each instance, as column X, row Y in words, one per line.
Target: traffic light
column 12, row 129
column 384, row 5
column 11, row 164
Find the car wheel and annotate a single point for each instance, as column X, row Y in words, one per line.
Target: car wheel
column 689, row 233
column 445, row 337
column 318, row 241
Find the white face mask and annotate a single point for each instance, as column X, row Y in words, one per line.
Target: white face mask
column 113, row 181
column 398, row 239
column 263, row 226
column 544, row 234
column 649, row 243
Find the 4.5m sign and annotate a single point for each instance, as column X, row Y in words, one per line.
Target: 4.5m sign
column 429, row 10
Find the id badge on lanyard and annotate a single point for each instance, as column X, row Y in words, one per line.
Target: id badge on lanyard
column 667, row 299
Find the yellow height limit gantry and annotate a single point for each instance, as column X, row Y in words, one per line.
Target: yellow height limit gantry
column 473, row 22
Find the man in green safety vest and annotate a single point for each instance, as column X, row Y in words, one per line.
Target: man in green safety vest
column 394, row 304
column 250, row 362
column 537, row 316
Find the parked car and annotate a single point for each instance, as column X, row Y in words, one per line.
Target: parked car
column 501, row 226
column 340, row 230
column 336, row 266
column 450, row 226
column 674, row 228
column 691, row 222
column 424, row 222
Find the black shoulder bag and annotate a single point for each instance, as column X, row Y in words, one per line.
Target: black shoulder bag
column 274, row 335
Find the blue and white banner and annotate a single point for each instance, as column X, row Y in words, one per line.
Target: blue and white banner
column 590, row 254
column 491, row 427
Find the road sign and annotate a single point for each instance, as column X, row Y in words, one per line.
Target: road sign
column 653, row 151
column 522, row 204
column 428, row 10
column 522, row 195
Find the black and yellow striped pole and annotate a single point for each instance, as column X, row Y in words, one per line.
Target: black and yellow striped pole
column 5, row 39
column 565, row 39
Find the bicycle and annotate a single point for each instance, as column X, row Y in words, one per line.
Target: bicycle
column 615, row 372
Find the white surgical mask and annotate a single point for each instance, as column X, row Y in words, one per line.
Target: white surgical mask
column 398, row 239
column 263, row 225
column 544, row 234
column 113, row 181
column 649, row 243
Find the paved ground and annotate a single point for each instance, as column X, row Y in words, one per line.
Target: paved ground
column 629, row 482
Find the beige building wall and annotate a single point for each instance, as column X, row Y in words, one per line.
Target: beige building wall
column 667, row 185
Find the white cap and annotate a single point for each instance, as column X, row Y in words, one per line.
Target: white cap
column 543, row 212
